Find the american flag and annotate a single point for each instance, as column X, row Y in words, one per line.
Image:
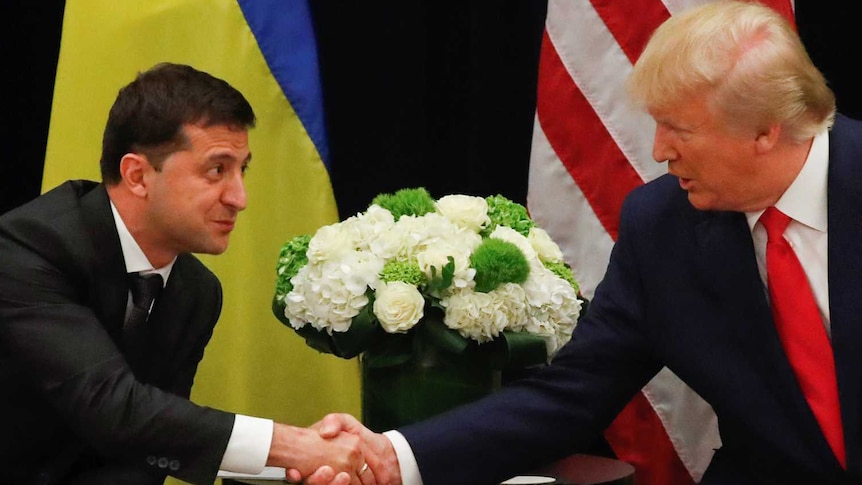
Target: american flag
column 590, row 148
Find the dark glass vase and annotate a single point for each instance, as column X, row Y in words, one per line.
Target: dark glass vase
column 430, row 382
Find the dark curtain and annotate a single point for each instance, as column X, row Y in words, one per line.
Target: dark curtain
column 438, row 95
column 427, row 94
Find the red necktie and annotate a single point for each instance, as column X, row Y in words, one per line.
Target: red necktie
column 801, row 330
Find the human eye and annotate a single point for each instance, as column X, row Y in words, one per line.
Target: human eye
column 215, row 171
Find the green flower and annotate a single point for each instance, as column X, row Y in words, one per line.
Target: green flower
column 497, row 262
column 505, row 212
column 399, row 270
column 564, row 271
column 290, row 260
column 406, row 202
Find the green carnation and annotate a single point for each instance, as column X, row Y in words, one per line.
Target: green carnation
column 505, row 212
column 497, row 262
column 290, row 260
column 406, row 202
column 564, row 271
column 408, row 272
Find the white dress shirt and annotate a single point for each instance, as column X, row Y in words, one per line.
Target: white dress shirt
column 250, row 437
column 804, row 201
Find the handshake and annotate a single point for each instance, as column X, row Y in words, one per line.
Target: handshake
column 337, row 450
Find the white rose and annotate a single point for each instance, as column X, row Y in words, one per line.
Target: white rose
column 543, row 244
column 399, row 306
column 508, row 234
column 467, row 211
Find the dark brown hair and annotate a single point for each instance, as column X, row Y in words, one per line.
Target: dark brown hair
column 148, row 115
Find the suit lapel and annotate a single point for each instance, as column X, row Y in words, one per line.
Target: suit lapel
column 845, row 270
column 177, row 326
column 728, row 260
column 110, row 287
column 729, row 267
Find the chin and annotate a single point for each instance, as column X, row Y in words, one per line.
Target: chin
column 213, row 248
column 699, row 203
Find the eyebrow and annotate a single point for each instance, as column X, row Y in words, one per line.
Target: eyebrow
column 228, row 157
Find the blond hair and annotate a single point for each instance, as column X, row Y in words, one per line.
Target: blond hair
column 749, row 61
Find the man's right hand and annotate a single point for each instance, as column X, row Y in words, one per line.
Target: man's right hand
column 305, row 453
column 376, row 448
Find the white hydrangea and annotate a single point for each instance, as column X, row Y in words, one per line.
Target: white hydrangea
column 474, row 315
column 482, row 316
column 328, row 295
column 554, row 307
column 372, row 230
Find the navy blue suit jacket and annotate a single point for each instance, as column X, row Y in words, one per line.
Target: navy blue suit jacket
column 682, row 290
column 66, row 391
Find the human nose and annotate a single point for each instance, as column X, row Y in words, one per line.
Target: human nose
column 662, row 149
column 234, row 194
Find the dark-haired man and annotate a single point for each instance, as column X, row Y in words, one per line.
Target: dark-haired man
column 95, row 381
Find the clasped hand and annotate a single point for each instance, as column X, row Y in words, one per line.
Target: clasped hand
column 346, row 453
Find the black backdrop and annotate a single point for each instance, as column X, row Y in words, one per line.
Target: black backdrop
column 433, row 94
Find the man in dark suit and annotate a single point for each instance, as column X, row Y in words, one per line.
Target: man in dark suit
column 695, row 281
column 83, row 402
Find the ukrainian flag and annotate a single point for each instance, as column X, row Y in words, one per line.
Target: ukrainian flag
column 266, row 49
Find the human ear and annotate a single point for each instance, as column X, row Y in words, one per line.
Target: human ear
column 767, row 138
column 133, row 167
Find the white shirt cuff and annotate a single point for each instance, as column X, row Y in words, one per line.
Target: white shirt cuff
column 406, row 460
column 248, row 447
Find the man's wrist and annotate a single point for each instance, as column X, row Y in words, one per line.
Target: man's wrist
column 248, row 447
column 406, row 460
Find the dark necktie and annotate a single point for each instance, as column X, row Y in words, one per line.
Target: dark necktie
column 145, row 289
column 801, row 330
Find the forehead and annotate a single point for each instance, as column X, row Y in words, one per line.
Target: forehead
column 690, row 110
column 218, row 138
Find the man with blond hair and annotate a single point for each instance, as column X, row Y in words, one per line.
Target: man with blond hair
column 736, row 270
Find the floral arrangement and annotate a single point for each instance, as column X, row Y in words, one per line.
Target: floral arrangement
column 467, row 273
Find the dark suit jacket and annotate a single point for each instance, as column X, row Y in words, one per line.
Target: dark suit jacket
column 66, row 391
column 682, row 290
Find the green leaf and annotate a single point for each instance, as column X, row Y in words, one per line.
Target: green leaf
column 438, row 284
column 434, row 331
column 397, row 349
column 364, row 331
column 514, row 350
column 317, row 339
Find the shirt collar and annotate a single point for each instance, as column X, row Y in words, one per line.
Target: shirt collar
column 805, row 200
column 136, row 260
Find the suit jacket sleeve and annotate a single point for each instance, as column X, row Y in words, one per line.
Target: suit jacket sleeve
column 565, row 407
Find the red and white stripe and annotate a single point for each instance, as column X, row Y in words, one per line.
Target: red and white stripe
column 589, row 150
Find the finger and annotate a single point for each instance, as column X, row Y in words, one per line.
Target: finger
column 342, row 478
column 366, row 476
column 322, row 476
column 292, row 475
column 332, row 424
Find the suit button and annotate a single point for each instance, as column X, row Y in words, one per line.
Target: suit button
column 163, row 462
column 151, row 460
column 174, row 465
